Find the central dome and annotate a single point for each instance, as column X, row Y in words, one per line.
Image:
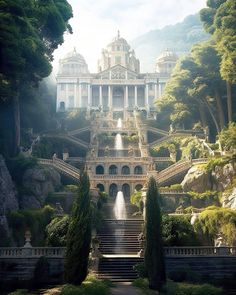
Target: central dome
column 118, row 53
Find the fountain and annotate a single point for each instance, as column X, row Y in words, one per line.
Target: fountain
column 119, row 208
column 119, row 123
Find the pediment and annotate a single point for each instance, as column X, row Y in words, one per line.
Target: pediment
column 117, row 72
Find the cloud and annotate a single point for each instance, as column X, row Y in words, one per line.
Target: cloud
column 95, row 23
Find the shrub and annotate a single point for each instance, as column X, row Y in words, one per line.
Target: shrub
column 141, row 270
column 91, row 286
column 56, row 231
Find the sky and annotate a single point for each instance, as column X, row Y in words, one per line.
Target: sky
column 95, row 23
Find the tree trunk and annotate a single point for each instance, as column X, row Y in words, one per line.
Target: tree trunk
column 213, row 116
column 16, row 118
column 220, row 108
column 202, row 115
column 229, row 100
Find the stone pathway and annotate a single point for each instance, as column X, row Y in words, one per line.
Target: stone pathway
column 125, row 289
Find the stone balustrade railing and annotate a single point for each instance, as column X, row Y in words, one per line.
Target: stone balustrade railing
column 77, row 131
column 172, row 192
column 59, row 252
column 118, row 177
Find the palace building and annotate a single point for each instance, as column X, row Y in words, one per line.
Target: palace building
column 117, row 86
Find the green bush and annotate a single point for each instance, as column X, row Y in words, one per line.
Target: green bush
column 177, row 231
column 33, row 220
column 91, row 286
column 56, row 231
column 141, row 270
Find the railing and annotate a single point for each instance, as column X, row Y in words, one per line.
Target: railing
column 156, row 130
column 78, row 131
column 162, row 159
column 71, row 138
column 171, row 192
column 62, row 166
column 59, row 252
column 118, row 177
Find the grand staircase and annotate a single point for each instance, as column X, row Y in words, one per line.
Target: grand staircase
column 119, row 245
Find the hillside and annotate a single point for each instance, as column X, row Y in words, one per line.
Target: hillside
column 179, row 38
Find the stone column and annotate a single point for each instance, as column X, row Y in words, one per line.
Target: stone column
column 126, row 96
column 67, row 98
column 135, row 96
column 89, row 96
column 100, row 95
column 159, row 90
column 75, row 97
column 146, row 97
column 80, row 96
column 156, row 92
column 109, row 98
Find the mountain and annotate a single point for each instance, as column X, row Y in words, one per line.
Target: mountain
column 178, row 38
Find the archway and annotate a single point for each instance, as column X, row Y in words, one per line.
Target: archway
column 125, row 170
column 138, row 170
column 138, row 187
column 99, row 169
column 101, row 187
column 126, row 190
column 113, row 170
column 118, row 97
column 113, row 190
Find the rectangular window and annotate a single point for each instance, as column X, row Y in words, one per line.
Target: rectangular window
column 71, row 87
column 150, row 86
column 63, row 86
column 84, row 86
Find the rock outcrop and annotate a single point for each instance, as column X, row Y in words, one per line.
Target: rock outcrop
column 229, row 200
column 8, row 193
column 8, row 201
column 197, row 180
column 38, row 183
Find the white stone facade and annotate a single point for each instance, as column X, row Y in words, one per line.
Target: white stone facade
column 117, row 86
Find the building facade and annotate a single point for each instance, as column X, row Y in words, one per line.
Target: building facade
column 117, row 86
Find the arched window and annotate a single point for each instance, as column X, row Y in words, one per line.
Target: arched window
column 62, row 106
column 113, row 170
column 138, row 187
column 125, row 170
column 138, row 170
column 99, row 169
column 113, row 190
column 126, row 190
column 100, row 187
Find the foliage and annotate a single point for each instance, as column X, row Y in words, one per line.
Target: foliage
column 227, row 137
column 214, row 220
column 102, row 199
column 91, row 286
column 207, row 196
column 130, row 139
column 176, row 186
column 214, row 162
column 18, row 165
column 136, row 199
column 79, row 235
column 56, row 232
column 154, row 256
column 105, row 139
column 71, row 188
column 27, row 51
column 75, row 120
column 33, row 220
column 141, row 270
column 177, row 231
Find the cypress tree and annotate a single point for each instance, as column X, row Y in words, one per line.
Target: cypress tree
column 154, row 255
column 79, row 235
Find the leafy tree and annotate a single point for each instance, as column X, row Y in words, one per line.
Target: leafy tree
column 30, row 32
column 219, row 19
column 79, row 235
column 56, row 231
column 177, row 231
column 154, row 256
column 227, row 137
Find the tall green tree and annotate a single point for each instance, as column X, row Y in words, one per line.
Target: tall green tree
column 79, row 235
column 219, row 19
column 29, row 33
column 154, row 255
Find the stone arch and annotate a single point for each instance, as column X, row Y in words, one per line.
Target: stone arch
column 99, row 169
column 113, row 170
column 138, row 170
column 113, row 189
column 101, row 187
column 125, row 170
column 126, row 190
column 138, row 187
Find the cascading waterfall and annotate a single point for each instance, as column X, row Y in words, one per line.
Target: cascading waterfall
column 118, row 142
column 119, row 208
column 119, row 123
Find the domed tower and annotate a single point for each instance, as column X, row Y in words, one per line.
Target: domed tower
column 166, row 62
column 118, row 53
column 73, row 64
